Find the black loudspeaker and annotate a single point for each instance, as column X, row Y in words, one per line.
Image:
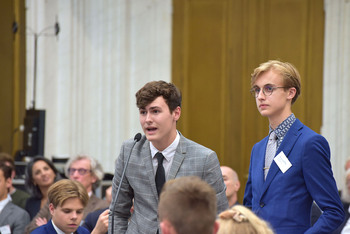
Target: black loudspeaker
column 34, row 132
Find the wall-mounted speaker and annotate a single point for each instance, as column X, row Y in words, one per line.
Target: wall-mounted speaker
column 34, row 132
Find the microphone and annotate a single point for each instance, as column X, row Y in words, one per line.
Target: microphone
column 137, row 138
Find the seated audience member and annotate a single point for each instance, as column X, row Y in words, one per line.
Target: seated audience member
column 98, row 219
column 18, row 196
column 345, row 226
column 187, row 205
column 232, row 184
column 89, row 173
column 40, row 175
column 345, row 194
column 99, row 224
column 13, row 219
column 240, row 219
column 67, row 200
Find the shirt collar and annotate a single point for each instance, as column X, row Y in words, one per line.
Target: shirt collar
column 4, row 202
column 169, row 151
column 283, row 127
column 59, row 231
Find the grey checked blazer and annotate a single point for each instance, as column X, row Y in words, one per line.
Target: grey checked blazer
column 190, row 159
column 14, row 216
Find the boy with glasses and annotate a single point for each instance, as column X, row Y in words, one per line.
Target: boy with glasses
column 291, row 166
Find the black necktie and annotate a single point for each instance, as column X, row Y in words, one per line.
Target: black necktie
column 160, row 174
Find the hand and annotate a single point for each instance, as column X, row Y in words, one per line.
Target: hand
column 40, row 221
column 102, row 223
column 108, row 194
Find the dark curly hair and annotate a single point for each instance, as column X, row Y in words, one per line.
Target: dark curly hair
column 154, row 89
column 29, row 183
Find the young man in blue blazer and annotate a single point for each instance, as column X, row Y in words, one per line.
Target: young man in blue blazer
column 282, row 192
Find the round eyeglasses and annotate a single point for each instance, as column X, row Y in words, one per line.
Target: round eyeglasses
column 81, row 171
column 267, row 90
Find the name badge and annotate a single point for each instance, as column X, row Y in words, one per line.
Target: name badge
column 282, row 162
column 5, row 229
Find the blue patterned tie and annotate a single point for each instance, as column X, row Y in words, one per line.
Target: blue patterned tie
column 270, row 152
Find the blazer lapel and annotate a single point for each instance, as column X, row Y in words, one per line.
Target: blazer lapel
column 178, row 159
column 147, row 162
column 260, row 164
column 286, row 146
column 5, row 212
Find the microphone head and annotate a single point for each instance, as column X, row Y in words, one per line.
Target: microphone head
column 137, row 137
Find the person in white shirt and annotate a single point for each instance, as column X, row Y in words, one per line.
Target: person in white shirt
column 13, row 219
column 67, row 200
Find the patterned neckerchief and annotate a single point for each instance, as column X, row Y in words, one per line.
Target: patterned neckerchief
column 283, row 128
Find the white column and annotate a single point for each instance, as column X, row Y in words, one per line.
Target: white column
column 88, row 77
column 336, row 84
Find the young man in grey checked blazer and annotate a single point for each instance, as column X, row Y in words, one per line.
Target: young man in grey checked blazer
column 159, row 106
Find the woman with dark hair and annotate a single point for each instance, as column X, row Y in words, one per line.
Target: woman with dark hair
column 40, row 175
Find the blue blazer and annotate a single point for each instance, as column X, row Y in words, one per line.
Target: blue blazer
column 92, row 218
column 49, row 229
column 285, row 199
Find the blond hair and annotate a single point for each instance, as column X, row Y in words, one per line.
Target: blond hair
column 64, row 189
column 290, row 75
column 240, row 219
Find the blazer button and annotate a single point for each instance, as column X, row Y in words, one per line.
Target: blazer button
column 262, row 204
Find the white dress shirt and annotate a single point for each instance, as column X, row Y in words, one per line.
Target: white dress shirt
column 168, row 154
column 4, row 202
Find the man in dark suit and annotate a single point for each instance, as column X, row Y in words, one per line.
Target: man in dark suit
column 13, row 219
column 162, row 154
column 282, row 191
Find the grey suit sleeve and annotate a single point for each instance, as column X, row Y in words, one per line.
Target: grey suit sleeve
column 21, row 220
column 121, row 213
column 213, row 175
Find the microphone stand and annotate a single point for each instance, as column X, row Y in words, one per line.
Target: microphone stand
column 136, row 139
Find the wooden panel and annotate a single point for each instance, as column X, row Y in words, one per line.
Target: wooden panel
column 12, row 66
column 216, row 46
column 6, row 68
column 19, row 74
column 203, row 25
